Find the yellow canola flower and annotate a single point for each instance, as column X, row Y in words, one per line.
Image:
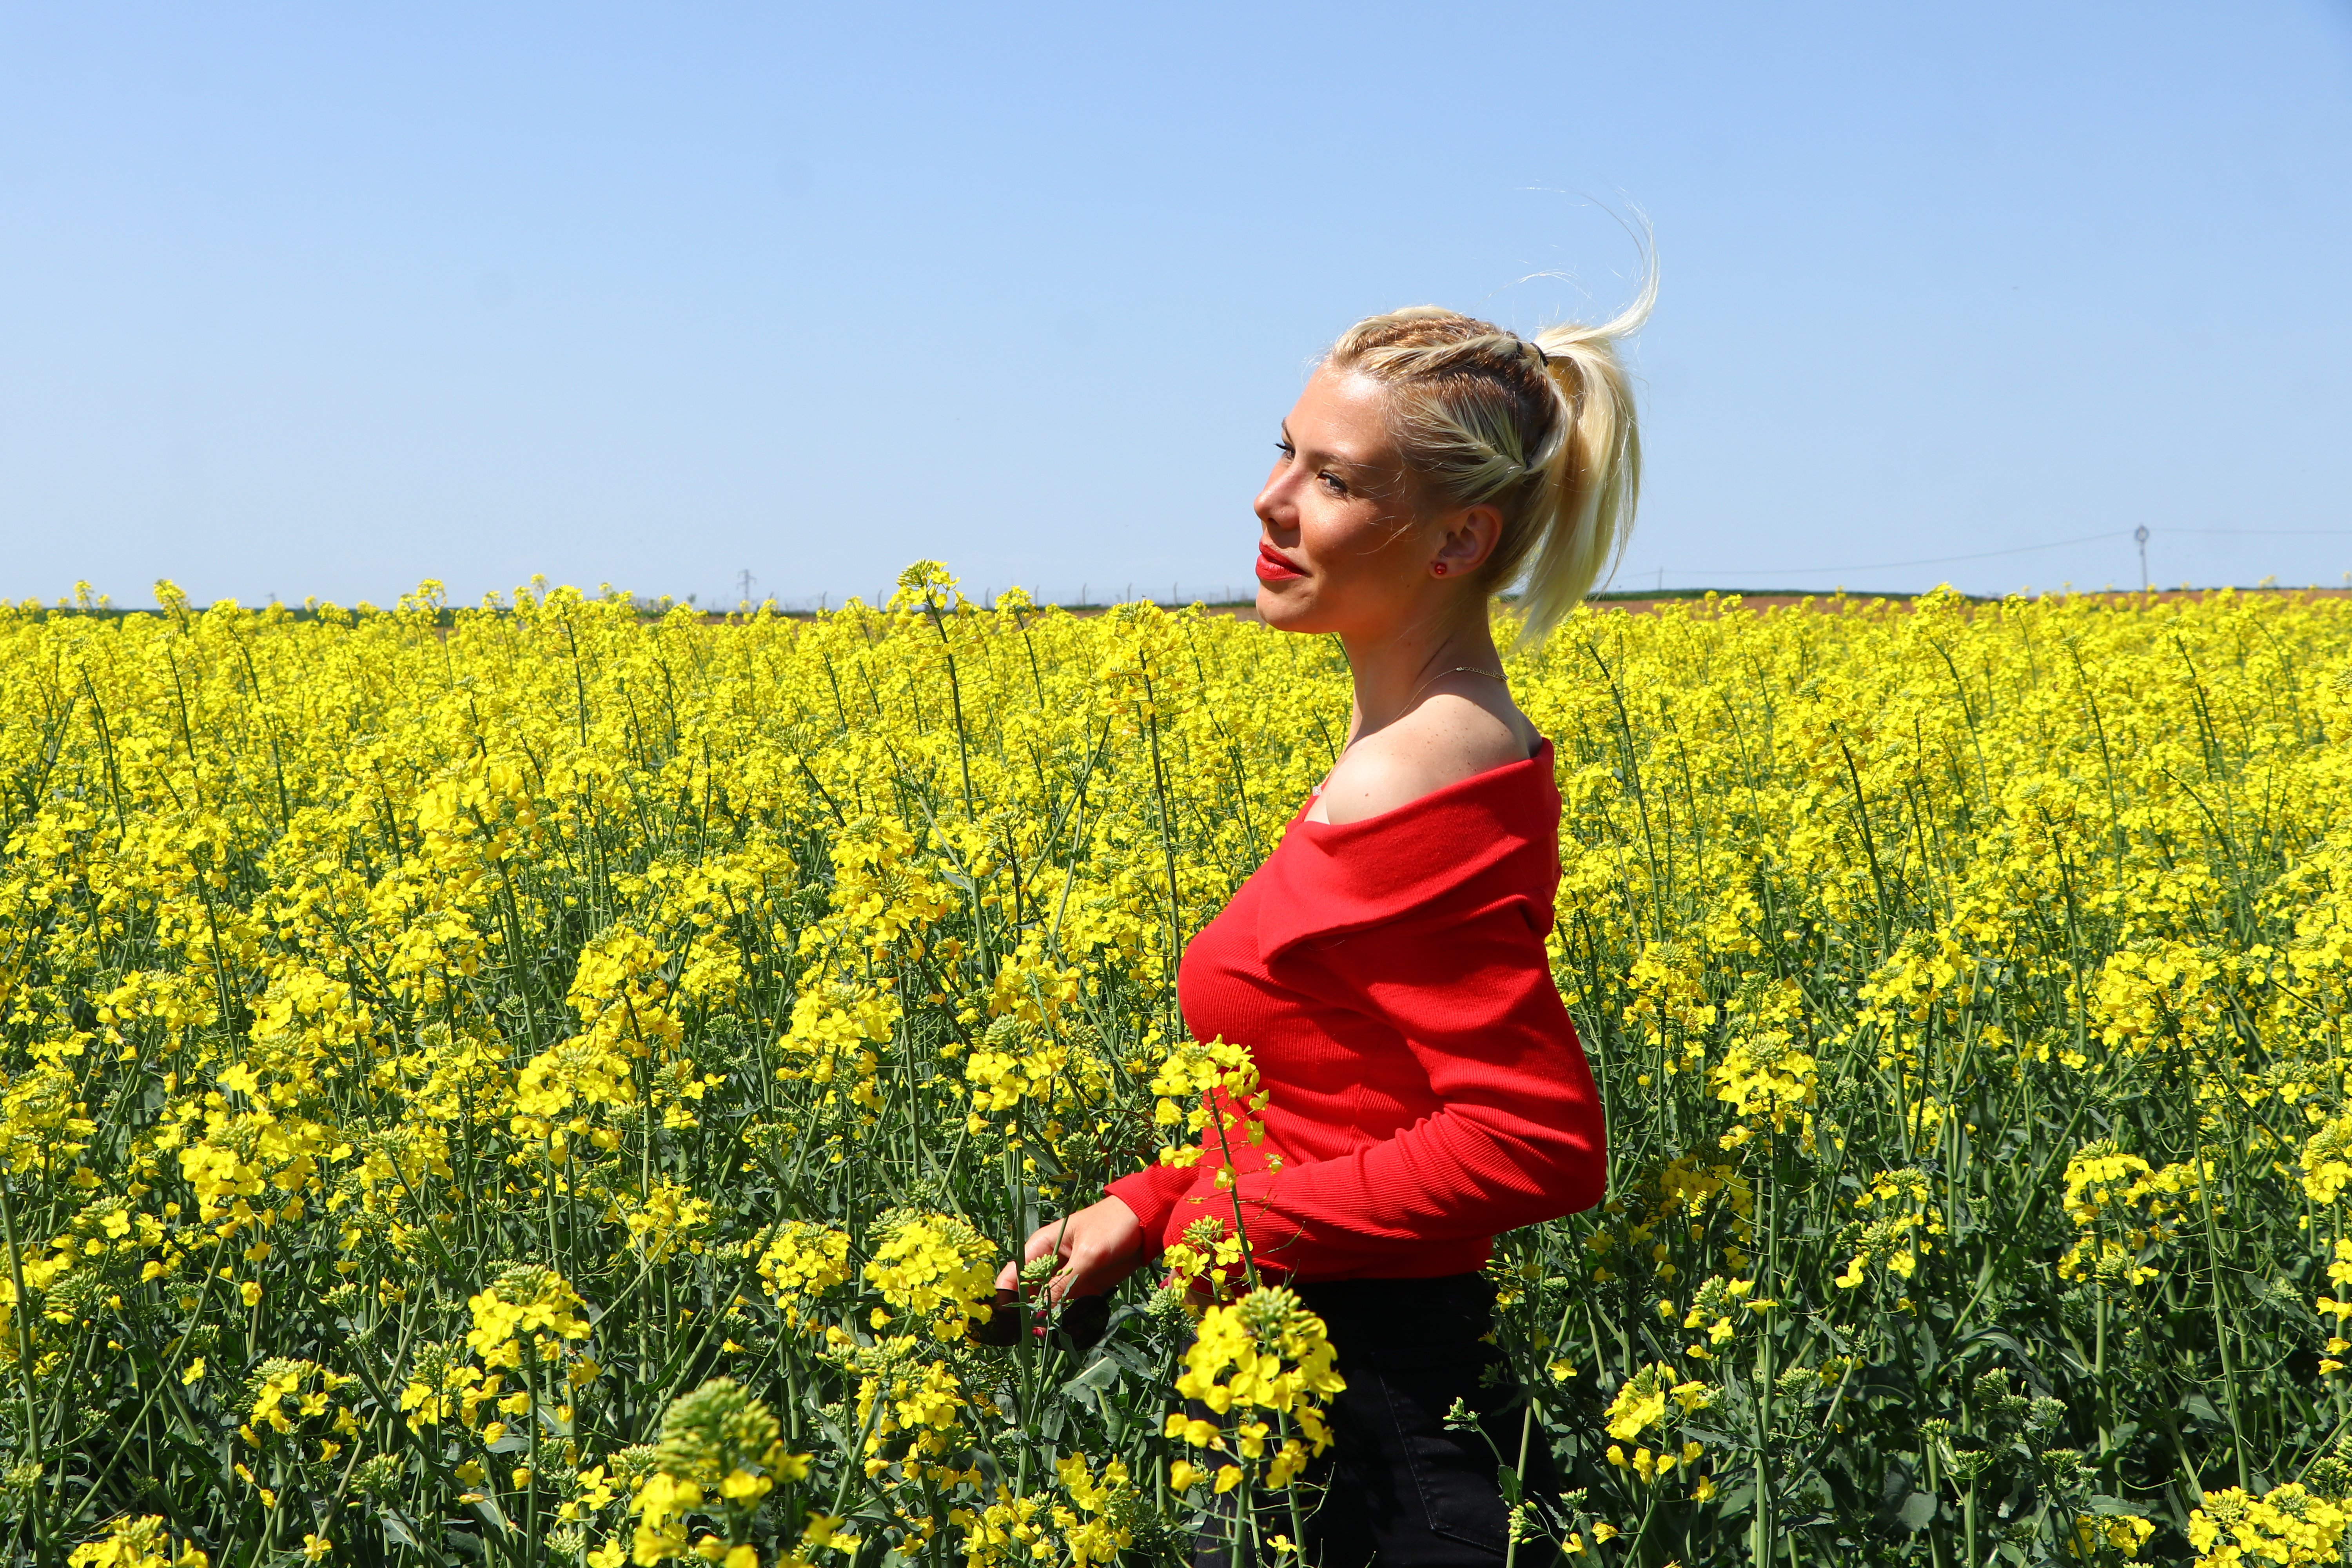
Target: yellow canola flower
column 804, row 1260
column 1767, row 1077
column 2123, row 1534
column 937, row 1267
column 1209, row 1096
column 142, row 1543
column 2123, row 1209
column 1097, row 1523
column 2287, row 1527
column 282, row 1392
column 1643, row 1401
column 1899, row 1227
column 2326, row 1161
column 368, row 951
column 526, row 1305
column 721, row 1453
column 1266, row 1351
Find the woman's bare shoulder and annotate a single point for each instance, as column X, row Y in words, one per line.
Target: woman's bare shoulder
column 1443, row 741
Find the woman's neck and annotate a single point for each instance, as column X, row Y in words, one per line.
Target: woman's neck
column 1391, row 670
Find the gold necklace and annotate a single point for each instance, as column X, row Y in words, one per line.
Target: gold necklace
column 1457, row 670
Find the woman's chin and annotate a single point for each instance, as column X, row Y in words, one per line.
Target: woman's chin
column 1284, row 612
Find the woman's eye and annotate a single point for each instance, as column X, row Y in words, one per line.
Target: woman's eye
column 1339, row 486
column 1285, row 449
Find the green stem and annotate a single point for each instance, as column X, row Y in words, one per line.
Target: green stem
column 2221, row 1320
column 1760, row 1551
column 36, row 1444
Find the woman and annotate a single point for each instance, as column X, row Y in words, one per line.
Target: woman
column 1386, row 965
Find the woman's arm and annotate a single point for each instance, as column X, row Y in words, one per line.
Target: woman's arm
column 1519, row 1139
column 1152, row 1193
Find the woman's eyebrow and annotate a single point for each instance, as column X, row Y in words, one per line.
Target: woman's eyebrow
column 1328, row 460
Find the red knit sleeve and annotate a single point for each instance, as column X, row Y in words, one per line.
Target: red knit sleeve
column 1153, row 1192
column 1519, row 1139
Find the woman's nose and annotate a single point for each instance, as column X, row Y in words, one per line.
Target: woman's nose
column 1272, row 505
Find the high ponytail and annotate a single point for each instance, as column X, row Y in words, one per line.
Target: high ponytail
column 1542, row 428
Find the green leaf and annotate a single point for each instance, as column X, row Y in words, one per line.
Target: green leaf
column 493, row 1515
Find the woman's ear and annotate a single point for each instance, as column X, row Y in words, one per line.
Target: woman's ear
column 1469, row 538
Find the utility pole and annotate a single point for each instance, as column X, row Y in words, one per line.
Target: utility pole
column 2140, row 533
column 743, row 581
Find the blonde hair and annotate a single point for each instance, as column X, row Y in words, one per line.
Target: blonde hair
column 1541, row 428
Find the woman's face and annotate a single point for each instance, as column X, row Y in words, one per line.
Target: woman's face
column 1339, row 548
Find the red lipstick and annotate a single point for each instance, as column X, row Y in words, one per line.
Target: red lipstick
column 1273, row 566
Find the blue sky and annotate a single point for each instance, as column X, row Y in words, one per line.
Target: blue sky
column 323, row 300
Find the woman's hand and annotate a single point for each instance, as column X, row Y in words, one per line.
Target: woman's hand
column 1099, row 1245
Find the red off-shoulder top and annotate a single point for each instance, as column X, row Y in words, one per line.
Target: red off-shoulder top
column 1427, row 1089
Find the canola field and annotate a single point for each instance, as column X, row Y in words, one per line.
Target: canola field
column 543, row 1086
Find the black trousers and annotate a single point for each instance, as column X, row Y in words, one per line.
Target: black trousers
column 1403, row 1490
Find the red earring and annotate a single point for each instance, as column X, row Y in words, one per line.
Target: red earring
column 1438, row 569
